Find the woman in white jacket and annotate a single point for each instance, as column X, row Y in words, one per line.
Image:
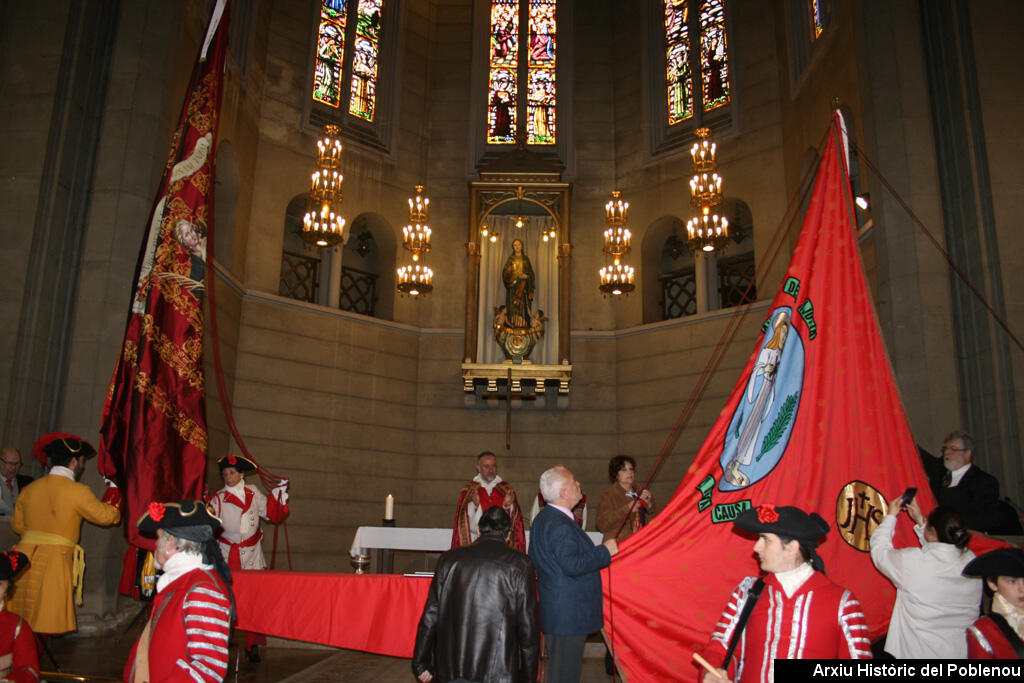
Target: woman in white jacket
column 934, row 603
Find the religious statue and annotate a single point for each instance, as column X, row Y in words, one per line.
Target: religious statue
column 516, row 329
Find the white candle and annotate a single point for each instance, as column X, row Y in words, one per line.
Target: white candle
column 389, row 507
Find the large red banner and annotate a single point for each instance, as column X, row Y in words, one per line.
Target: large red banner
column 153, row 438
column 814, row 421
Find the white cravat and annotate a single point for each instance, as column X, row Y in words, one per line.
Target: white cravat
column 489, row 487
column 178, row 565
column 238, row 490
column 956, row 475
column 1014, row 617
column 794, row 578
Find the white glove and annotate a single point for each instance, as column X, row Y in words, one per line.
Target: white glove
column 280, row 492
column 109, row 483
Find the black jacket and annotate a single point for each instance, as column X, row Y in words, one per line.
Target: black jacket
column 480, row 619
column 976, row 496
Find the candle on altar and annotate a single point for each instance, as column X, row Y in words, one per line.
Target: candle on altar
column 389, row 507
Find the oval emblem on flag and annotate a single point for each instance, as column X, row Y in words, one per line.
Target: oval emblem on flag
column 860, row 508
column 763, row 420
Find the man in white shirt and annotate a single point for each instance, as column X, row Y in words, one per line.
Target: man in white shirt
column 486, row 490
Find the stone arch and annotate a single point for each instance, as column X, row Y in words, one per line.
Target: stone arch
column 377, row 236
column 225, row 203
column 653, row 262
column 301, row 276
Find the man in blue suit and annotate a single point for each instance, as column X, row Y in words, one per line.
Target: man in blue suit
column 568, row 575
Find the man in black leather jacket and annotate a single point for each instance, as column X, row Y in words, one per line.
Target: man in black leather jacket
column 480, row 620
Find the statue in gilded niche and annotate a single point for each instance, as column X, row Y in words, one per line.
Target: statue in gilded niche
column 516, row 328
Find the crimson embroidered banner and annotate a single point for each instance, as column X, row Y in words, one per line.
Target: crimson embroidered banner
column 814, row 421
column 153, row 438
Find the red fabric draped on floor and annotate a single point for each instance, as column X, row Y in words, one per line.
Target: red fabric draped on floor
column 370, row 612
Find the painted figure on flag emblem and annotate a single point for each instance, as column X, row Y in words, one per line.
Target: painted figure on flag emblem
column 764, row 418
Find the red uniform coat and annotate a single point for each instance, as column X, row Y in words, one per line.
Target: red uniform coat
column 461, row 533
column 17, row 642
column 819, row 621
column 189, row 624
column 986, row 641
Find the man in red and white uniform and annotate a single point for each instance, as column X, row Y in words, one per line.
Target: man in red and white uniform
column 800, row 613
column 240, row 507
column 186, row 637
column 486, row 490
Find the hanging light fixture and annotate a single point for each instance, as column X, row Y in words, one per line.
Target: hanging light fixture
column 416, row 278
column 707, row 231
column 617, row 277
column 322, row 225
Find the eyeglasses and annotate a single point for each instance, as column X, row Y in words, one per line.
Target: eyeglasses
column 947, row 449
column 8, row 462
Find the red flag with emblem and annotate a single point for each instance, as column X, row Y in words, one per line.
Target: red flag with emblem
column 815, row 421
column 153, row 438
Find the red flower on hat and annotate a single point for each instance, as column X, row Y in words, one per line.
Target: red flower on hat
column 13, row 557
column 766, row 514
column 156, row 511
column 232, row 460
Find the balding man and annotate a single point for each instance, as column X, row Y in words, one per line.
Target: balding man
column 568, row 574
column 486, row 490
column 13, row 482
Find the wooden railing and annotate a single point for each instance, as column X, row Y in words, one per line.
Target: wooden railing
column 358, row 291
column 300, row 276
column 678, row 294
column 734, row 274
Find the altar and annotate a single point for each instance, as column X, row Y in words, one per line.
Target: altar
column 407, row 538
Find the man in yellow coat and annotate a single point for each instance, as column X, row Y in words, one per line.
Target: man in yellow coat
column 48, row 516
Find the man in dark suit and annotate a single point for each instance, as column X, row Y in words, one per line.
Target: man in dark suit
column 12, row 483
column 958, row 483
column 480, row 619
column 568, row 574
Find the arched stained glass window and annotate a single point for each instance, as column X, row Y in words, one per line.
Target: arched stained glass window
column 332, row 60
column 330, row 53
column 512, row 61
column 364, row 62
column 818, row 21
column 695, row 43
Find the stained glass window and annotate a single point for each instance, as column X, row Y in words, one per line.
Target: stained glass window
column 504, row 65
column 330, row 53
column 540, row 127
column 364, row 59
column 714, row 63
column 680, row 83
column 817, row 20
column 695, row 48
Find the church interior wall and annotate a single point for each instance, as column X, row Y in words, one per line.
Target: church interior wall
column 352, row 408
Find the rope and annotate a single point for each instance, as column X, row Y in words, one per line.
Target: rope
column 938, row 246
column 268, row 478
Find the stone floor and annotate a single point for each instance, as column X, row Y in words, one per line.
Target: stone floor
column 103, row 658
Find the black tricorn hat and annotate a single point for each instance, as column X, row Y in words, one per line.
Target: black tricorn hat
column 12, row 562
column 1001, row 562
column 787, row 521
column 61, row 444
column 173, row 515
column 241, row 464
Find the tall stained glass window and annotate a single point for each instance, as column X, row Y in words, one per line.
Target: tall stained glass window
column 332, row 61
column 364, row 61
column 819, row 18
column 330, row 53
column 695, row 43
column 514, row 60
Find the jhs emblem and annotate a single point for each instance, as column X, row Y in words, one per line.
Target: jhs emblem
column 860, row 508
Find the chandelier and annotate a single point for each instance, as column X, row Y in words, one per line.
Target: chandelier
column 416, row 278
column 706, row 231
column 617, row 277
column 322, row 225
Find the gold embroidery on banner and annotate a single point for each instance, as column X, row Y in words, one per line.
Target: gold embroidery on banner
column 183, row 358
column 860, row 508
column 187, row 428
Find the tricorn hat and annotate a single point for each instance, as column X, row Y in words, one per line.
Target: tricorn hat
column 12, row 562
column 238, row 462
column 169, row 516
column 1001, row 562
column 787, row 521
column 58, row 443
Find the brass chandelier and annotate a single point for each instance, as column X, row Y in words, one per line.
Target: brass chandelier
column 322, row 225
column 707, row 231
column 617, row 277
column 416, row 278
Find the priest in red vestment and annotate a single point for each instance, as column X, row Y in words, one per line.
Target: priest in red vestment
column 486, row 490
